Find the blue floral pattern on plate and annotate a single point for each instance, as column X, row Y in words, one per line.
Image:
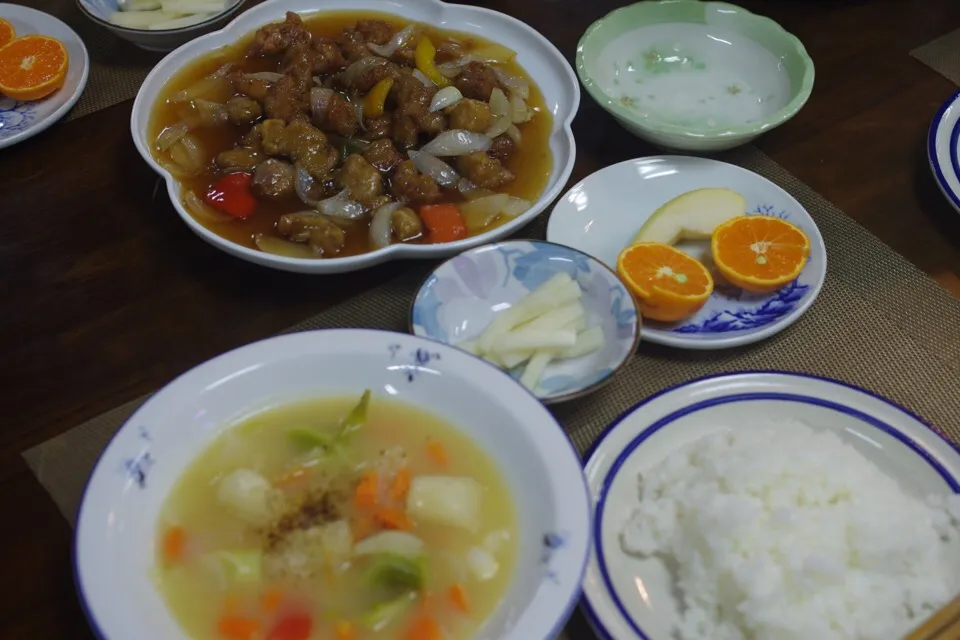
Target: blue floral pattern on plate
column 15, row 116
column 731, row 309
column 461, row 297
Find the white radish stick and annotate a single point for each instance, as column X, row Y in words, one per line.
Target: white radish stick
column 552, row 293
column 558, row 318
column 535, row 368
column 587, row 342
column 518, row 340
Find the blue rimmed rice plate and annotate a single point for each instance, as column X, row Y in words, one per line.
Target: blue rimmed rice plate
column 626, row 598
column 462, row 296
column 601, row 214
column 943, row 149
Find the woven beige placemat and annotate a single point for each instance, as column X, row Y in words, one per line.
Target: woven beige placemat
column 942, row 55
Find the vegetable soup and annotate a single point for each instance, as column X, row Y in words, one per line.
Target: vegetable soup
column 337, row 519
column 344, row 132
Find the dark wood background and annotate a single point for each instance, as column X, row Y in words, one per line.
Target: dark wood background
column 106, row 295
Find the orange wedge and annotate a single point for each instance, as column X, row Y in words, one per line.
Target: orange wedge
column 668, row 284
column 7, row 32
column 759, row 253
column 32, row 67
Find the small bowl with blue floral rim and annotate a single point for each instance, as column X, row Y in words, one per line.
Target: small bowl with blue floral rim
column 463, row 296
column 601, row 214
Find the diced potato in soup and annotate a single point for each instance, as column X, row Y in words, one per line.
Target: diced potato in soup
column 337, row 518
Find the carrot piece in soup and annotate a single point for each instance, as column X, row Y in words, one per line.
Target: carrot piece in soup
column 174, row 544
column 391, row 518
column 401, row 485
column 270, row 600
column 424, row 628
column 444, row 222
column 438, row 453
column 363, row 527
column 368, row 491
column 297, row 626
column 458, row 596
column 237, row 627
column 345, row 631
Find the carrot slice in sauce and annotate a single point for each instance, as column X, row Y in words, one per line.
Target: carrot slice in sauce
column 392, row 518
column 271, row 599
column 368, row 491
column 438, row 453
column 345, row 631
column 458, row 596
column 297, row 626
column 444, row 222
column 424, row 628
column 174, row 544
column 237, row 627
column 401, row 485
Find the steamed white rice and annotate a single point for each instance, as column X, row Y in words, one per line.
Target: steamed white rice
column 786, row 533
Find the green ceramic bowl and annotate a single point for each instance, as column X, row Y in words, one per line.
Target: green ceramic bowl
column 694, row 76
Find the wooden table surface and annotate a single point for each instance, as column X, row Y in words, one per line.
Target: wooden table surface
column 106, row 295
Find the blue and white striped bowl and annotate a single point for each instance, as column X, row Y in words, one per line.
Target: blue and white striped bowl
column 167, row 40
column 460, row 298
column 943, row 149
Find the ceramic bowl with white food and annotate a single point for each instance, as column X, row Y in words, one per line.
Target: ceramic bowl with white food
column 20, row 120
column 541, row 61
column 164, row 28
column 601, row 214
column 460, row 300
column 943, row 149
column 116, row 538
column 694, row 76
column 633, row 595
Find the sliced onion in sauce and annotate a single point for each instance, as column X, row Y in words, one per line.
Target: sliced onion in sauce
column 202, row 211
column 499, row 103
column 357, row 104
column 471, row 191
column 456, row 142
column 303, row 186
column 266, row 76
column 499, row 126
column 381, row 225
column 204, row 86
column 519, row 112
column 188, row 153
column 341, row 206
column 450, row 69
column 171, row 134
column 513, row 133
column 355, row 145
column 400, row 39
column 361, row 66
column 517, row 85
column 320, row 102
column 424, row 80
column 210, row 113
column 442, row 173
column 285, row 248
column 480, row 212
column 515, row 206
column 446, row 97
column 175, row 169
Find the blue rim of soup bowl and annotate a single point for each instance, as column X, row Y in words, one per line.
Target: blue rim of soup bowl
column 571, row 601
column 561, row 397
column 596, row 544
column 938, row 172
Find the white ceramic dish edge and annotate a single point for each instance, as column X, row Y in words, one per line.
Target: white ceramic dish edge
column 454, row 16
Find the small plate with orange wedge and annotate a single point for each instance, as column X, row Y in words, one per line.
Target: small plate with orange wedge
column 716, row 256
column 43, row 70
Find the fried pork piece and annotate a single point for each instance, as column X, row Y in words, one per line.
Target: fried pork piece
column 243, row 110
column 383, row 155
column 378, row 128
column 254, row 88
column 375, row 31
column 239, row 159
column 288, row 99
column 483, row 171
column 300, row 141
column 404, row 131
column 352, row 45
column 324, row 237
column 406, row 224
column 274, row 180
column 409, row 185
column 273, row 39
column 501, row 148
column 471, row 115
column 361, row 179
column 477, row 80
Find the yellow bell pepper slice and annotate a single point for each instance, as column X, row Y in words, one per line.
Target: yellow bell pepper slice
column 374, row 101
column 424, row 56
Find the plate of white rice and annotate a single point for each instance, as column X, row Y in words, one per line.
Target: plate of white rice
column 770, row 506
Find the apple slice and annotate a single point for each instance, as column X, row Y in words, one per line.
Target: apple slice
column 692, row 216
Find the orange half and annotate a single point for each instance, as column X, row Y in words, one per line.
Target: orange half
column 7, row 32
column 32, row 67
column 759, row 253
column 668, row 284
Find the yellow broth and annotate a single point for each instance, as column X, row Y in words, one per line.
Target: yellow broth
column 199, row 596
column 531, row 163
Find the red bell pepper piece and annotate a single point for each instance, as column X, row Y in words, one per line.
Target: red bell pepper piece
column 232, row 194
column 296, row 626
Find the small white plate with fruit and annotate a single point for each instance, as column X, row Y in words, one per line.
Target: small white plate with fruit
column 715, row 255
